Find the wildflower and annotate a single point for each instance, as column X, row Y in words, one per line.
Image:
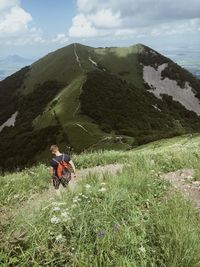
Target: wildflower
column 116, row 226
column 142, row 249
column 65, row 215
column 103, row 184
column 55, row 220
column 55, row 209
column 76, row 199
column 101, row 234
column 103, row 189
column 60, row 238
column 87, row 186
column 50, row 233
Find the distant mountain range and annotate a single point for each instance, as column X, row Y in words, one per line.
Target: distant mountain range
column 12, row 63
column 187, row 58
column 95, row 98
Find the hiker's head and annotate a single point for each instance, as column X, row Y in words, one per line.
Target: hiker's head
column 54, row 149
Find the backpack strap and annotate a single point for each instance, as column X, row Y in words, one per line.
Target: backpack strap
column 56, row 161
column 63, row 156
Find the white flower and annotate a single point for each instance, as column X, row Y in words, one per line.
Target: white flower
column 152, row 162
column 55, row 220
column 55, row 209
column 103, row 189
column 60, row 238
column 142, row 249
column 103, row 184
column 65, row 215
column 87, row 186
column 75, row 200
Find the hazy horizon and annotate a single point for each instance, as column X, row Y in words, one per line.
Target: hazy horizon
column 32, row 29
column 186, row 58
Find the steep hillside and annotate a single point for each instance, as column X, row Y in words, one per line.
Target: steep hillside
column 91, row 98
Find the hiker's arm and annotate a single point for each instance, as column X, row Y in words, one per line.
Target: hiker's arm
column 51, row 171
column 73, row 167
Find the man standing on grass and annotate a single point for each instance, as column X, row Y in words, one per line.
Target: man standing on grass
column 60, row 165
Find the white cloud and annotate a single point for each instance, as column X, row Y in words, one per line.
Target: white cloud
column 176, row 28
column 82, row 27
column 135, row 17
column 60, row 38
column 94, row 24
column 15, row 24
column 124, row 32
column 5, row 4
column 105, row 18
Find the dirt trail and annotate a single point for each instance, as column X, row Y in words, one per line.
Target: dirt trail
column 183, row 180
column 36, row 201
column 100, row 170
column 40, row 200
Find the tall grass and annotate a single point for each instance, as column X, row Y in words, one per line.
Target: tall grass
column 128, row 219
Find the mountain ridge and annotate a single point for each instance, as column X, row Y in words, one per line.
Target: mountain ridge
column 86, row 97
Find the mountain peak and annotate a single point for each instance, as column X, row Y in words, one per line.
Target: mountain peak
column 79, row 96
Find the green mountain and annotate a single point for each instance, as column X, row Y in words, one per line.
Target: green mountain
column 91, row 98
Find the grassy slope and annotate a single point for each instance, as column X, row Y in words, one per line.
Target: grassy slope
column 122, row 61
column 133, row 223
column 66, row 104
column 62, row 66
column 67, row 101
column 59, row 65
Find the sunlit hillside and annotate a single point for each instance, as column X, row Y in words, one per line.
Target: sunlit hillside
column 120, row 213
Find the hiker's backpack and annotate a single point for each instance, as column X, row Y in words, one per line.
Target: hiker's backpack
column 63, row 169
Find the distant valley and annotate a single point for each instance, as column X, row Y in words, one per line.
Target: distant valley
column 186, row 58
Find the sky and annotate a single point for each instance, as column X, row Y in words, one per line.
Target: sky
column 33, row 28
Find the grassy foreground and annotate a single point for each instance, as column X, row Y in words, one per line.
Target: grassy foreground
column 128, row 219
